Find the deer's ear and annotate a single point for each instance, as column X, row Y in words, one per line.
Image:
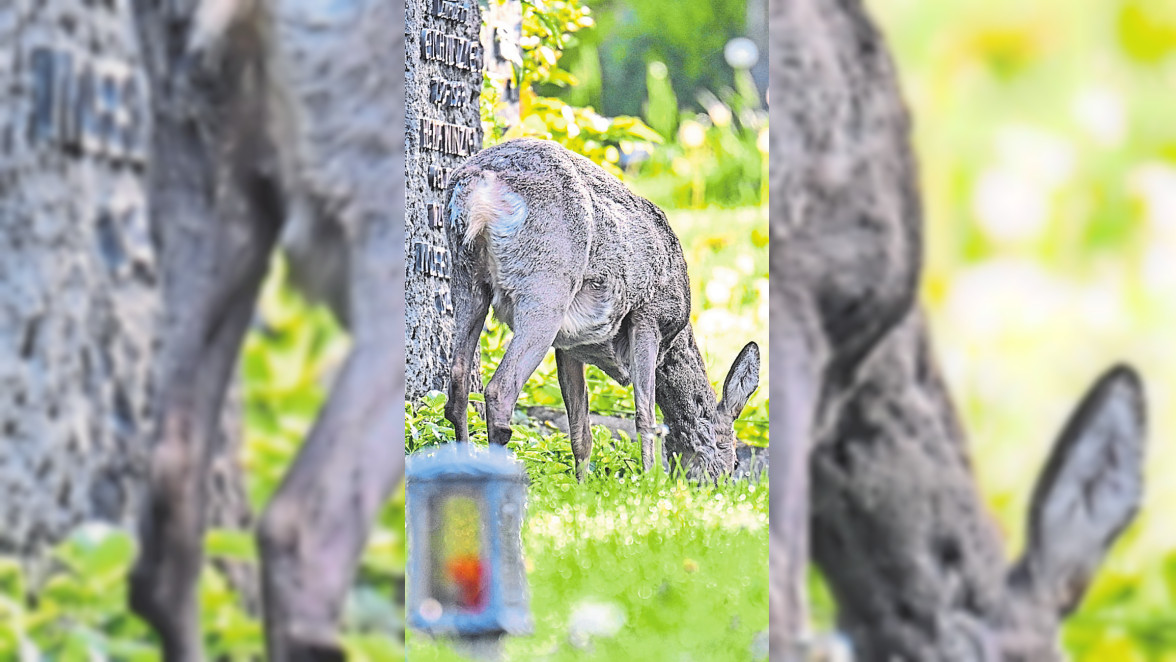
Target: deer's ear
column 1088, row 493
column 742, row 380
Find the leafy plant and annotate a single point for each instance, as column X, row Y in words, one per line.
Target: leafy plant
column 548, row 27
column 719, row 157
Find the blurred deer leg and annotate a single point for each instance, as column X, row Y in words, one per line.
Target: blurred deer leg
column 535, row 328
column 644, row 340
column 313, row 532
column 471, row 303
column 795, row 364
column 200, row 355
column 574, row 389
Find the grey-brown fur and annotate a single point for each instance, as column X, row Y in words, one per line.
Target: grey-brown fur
column 898, row 527
column 571, row 258
column 300, row 105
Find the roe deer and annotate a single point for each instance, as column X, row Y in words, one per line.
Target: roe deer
column 570, row 257
column 898, row 527
column 297, row 106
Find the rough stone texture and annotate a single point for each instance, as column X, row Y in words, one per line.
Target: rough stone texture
column 78, row 302
column 427, row 300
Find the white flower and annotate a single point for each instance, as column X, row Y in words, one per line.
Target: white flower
column 1010, row 207
column 1100, row 112
column 594, row 619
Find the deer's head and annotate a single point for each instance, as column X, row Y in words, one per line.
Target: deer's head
column 704, row 442
column 916, row 567
column 1087, row 494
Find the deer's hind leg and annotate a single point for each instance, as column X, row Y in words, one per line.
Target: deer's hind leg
column 538, row 313
column 574, row 388
column 213, row 305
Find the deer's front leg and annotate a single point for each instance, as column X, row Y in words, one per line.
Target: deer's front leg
column 644, row 340
column 312, row 534
column 796, row 363
column 574, row 388
column 537, row 317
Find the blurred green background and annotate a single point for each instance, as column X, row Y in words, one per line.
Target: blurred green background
column 1046, row 134
column 1047, row 139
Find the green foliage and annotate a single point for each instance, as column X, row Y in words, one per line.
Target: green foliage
column 688, row 37
column 548, row 27
column 1147, row 30
column 661, row 106
column 718, row 158
column 78, row 612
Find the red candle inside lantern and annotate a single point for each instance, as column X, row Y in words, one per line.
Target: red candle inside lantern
column 469, row 573
column 461, row 573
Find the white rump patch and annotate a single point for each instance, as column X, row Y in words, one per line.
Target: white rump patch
column 495, row 207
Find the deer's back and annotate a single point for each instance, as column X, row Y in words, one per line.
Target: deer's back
column 330, row 97
column 568, row 221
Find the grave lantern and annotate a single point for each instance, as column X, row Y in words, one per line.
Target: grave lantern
column 465, row 508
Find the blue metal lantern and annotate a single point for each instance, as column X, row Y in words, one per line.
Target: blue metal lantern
column 465, row 509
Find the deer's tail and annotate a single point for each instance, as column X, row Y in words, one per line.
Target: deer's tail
column 493, row 207
column 212, row 21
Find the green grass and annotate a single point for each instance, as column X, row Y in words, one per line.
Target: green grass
column 628, row 564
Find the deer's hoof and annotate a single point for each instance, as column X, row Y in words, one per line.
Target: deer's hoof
column 145, row 595
column 314, row 644
column 316, row 652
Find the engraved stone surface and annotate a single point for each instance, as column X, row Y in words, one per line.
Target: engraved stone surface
column 78, row 277
column 443, row 81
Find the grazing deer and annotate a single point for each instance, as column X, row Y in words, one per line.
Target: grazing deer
column 860, row 409
column 570, row 257
column 298, row 109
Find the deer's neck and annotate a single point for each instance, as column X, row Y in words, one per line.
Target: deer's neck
column 899, row 528
column 688, row 403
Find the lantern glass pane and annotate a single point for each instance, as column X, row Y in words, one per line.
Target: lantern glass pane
column 461, row 572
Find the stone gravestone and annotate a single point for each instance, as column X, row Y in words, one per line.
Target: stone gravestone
column 81, row 274
column 448, row 49
column 78, row 301
column 444, row 60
